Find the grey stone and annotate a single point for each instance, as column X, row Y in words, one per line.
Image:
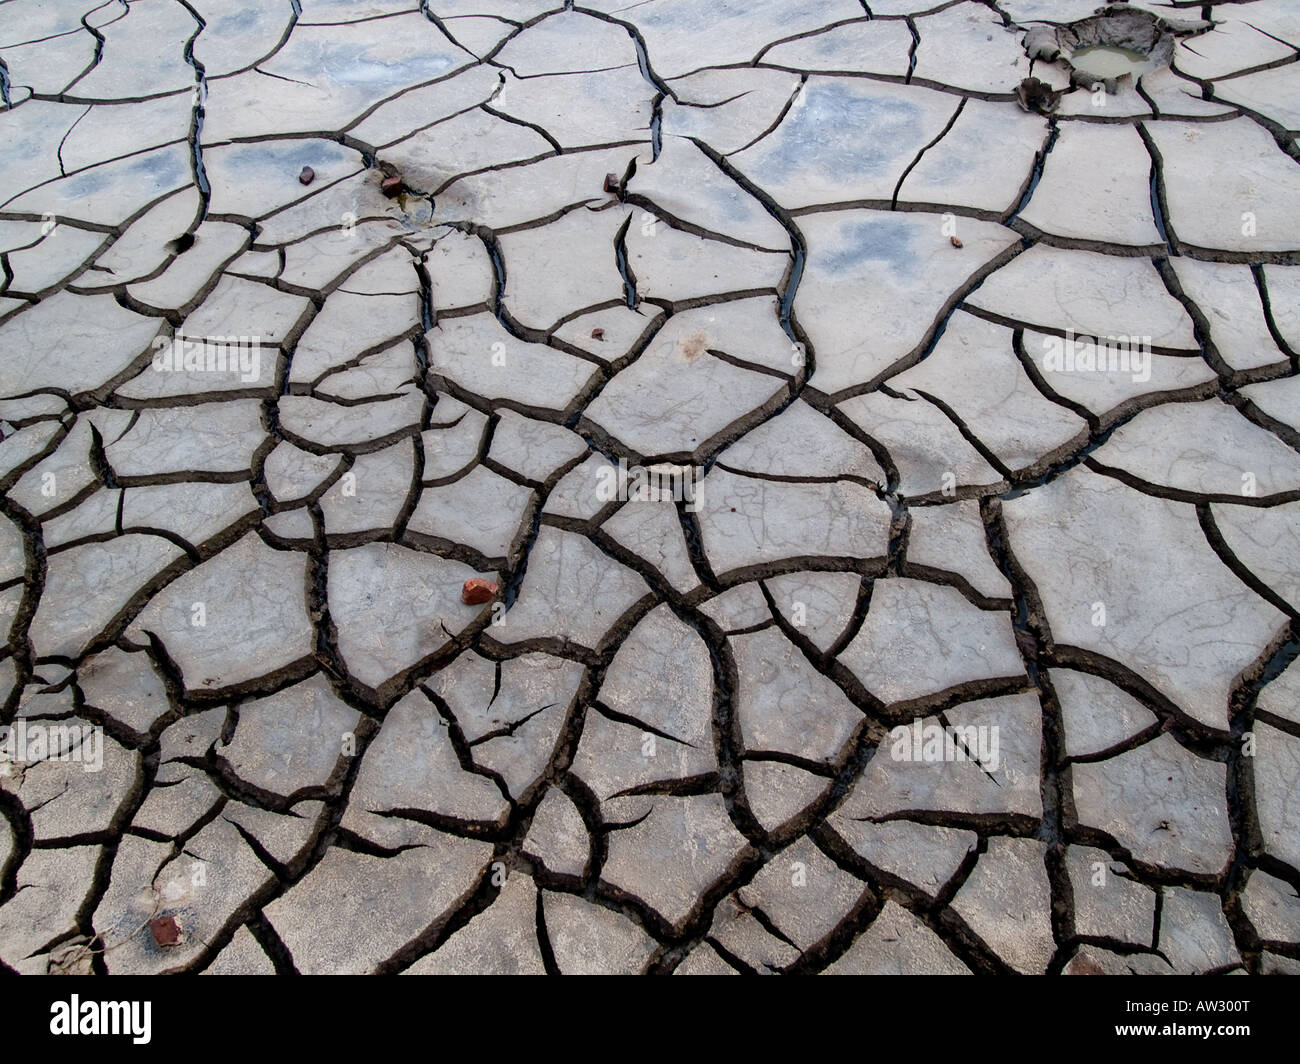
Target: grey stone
column 982, row 161
column 1122, row 188
column 74, row 343
column 198, row 513
column 799, row 442
column 678, row 267
column 1062, row 289
column 738, row 608
column 541, row 292
column 615, row 758
column 929, row 450
column 125, row 686
column 972, row 369
column 845, row 140
column 687, row 326
column 533, row 449
column 1226, row 454
column 286, row 838
column 1258, row 183
column 704, row 960
column 677, row 399
column 476, row 354
column 212, row 438
column 292, row 473
column 486, row 698
column 652, row 531
column 662, row 677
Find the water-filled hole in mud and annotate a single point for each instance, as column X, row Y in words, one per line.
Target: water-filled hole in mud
column 1105, row 61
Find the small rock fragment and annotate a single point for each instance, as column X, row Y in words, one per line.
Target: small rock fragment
column 1084, row 965
column 1037, row 96
column 611, row 182
column 598, row 334
column 165, row 930
column 391, row 187
column 477, row 591
column 955, row 242
column 307, row 176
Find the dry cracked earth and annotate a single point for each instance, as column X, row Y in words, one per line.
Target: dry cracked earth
column 789, row 433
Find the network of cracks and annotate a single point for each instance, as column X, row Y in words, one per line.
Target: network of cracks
column 961, row 639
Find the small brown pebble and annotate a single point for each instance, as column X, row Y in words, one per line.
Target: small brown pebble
column 955, row 242
column 477, row 591
column 391, row 187
column 307, row 176
column 611, row 182
column 598, row 334
column 165, row 930
column 1082, row 965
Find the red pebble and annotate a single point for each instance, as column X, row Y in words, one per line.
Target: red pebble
column 166, row 931
column 477, row 591
column 307, row 176
column 391, row 186
column 611, row 182
column 598, row 334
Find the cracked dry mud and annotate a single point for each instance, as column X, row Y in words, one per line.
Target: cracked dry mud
column 666, row 745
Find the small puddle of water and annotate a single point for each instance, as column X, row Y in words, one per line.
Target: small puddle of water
column 1107, row 61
